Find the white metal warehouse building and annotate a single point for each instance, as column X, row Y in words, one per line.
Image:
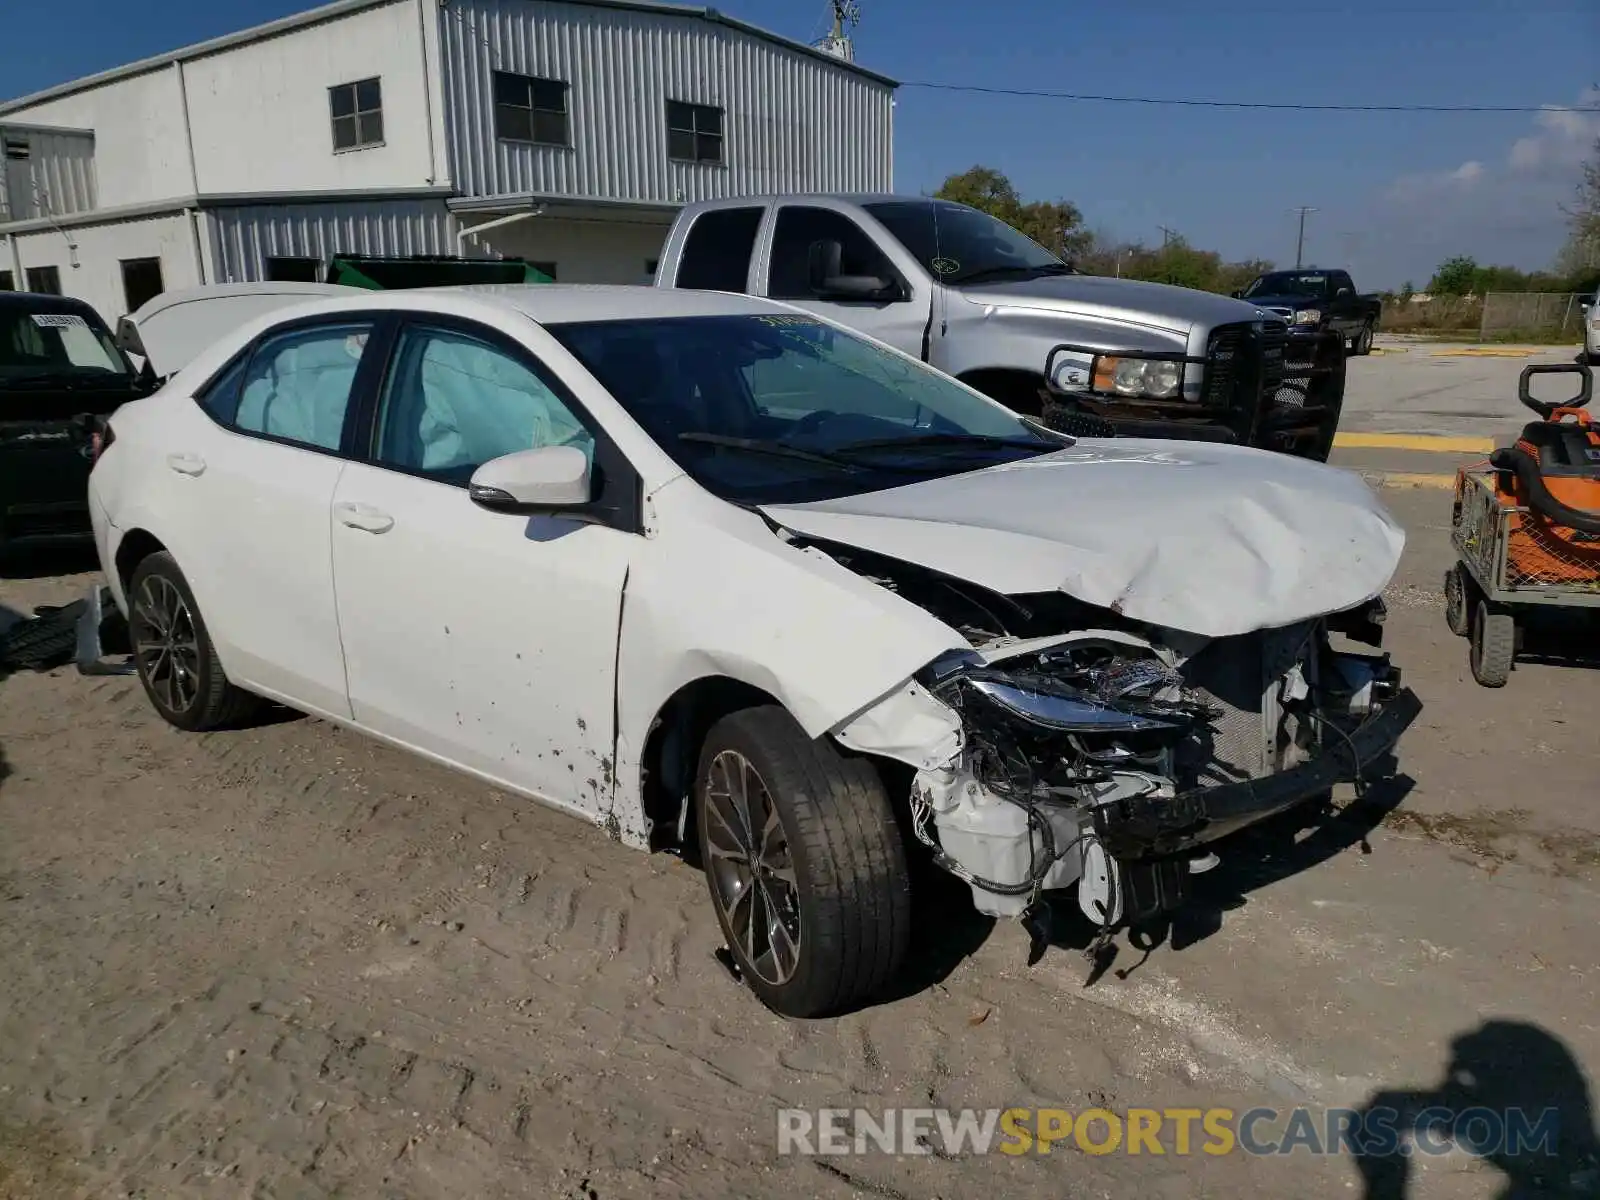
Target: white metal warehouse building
column 565, row 132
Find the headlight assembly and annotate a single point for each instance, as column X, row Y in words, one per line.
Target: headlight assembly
column 1143, row 378
column 1308, row 316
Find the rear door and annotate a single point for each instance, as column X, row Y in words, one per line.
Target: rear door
column 797, row 229
column 248, row 477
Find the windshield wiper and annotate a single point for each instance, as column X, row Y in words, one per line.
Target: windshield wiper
column 1019, row 272
column 764, row 446
column 925, row 440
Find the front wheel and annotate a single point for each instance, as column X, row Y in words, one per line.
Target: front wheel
column 176, row 661
column 805, row 864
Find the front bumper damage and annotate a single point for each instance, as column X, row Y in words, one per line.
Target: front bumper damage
column 1111, row 762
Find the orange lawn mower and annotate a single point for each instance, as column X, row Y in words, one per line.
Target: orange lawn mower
column 1526, row 528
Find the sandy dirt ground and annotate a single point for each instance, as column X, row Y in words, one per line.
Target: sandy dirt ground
column 287, row 961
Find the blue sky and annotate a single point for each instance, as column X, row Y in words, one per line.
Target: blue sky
column 1396, row 192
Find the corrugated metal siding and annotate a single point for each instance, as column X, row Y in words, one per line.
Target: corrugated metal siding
column 791, row 122
column 55, row 179
column 242, row 239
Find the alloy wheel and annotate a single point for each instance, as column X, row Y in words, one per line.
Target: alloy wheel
column 751, row 868
column 165, row 643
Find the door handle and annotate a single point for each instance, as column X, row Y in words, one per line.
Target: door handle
column 363, row 516
column 186, row 464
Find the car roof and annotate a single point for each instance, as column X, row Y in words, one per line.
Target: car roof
column 43, row 302
column 558, row 303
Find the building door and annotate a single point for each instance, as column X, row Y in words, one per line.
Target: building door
column 141, row 282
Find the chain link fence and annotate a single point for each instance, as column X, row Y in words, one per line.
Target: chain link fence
column 1558, row 313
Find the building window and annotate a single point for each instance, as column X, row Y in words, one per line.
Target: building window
column 7, row 282
column 44, row 280
column 650, row 265
column 694, row 132
column 17, row 149
column 141, row 281
column 545, row 268
column 357, row 110
column 294, row 270
column 530, row 110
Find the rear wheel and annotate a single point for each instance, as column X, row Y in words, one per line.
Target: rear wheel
column 177, row 663
column 1494, row 645
column 1457, row 608
column 804, row 861
column 1362, row 342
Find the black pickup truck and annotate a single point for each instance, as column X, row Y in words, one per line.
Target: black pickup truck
column 59, row 371
column 1313, row 300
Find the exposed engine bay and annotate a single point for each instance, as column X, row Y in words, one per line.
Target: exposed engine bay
column 1104, row 753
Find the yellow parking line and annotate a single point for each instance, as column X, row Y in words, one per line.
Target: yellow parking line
column 1413, row 441
column 1413, row 479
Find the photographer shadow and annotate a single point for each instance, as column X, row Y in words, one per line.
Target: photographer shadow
column 1513, row 1095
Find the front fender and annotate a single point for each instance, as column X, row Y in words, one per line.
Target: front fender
column 719, row 592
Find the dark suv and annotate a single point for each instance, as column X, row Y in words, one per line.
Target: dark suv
column 60, row 370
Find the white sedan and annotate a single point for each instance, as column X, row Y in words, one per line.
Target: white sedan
column 718, row 574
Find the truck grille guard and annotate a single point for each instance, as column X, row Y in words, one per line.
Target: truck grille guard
column 1250, row 392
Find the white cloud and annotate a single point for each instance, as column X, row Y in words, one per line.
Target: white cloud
column 1563, row 137
column 1502, row 207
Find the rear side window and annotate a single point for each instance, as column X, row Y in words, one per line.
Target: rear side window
column 716, row 254
column 294, row 387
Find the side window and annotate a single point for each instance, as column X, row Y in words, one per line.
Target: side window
column 716, row 254
column 220, row 397
column 798, row 229
column 1341, row 280
column 453, row 402
column 297, row 384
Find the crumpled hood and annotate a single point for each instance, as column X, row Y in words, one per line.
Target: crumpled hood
column 1158, row 305
column 1210, row 539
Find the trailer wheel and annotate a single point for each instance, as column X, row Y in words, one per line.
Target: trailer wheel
column 1494, row 645
column 805, row 863
column 1457, row 610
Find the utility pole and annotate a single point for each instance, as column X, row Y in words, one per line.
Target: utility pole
column 1166, row 235
column 837, row 43
column 1300, row 241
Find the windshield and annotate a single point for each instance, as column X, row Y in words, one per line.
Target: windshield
column 958, row 244
column 780, row 408
column 56, row 344
column 1287, row 284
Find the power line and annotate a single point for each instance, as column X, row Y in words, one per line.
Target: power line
column 1258, row 104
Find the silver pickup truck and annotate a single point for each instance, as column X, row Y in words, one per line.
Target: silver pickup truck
column 981, row 301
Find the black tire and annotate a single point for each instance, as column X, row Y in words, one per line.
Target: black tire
column 177, row 663
column 1494, row 645
column 846, row 919
column 1361, row 344
column 1457, row 601
column 48, row 639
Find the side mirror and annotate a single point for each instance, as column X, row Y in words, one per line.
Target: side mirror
column 1237, row 293
column 823, row 261
column 541, row 480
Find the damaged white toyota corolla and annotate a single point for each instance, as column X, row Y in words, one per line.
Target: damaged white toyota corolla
column 719, row 575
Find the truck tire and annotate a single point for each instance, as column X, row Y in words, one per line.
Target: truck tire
column 176, row 660
column 1361, row 344
column 1494, row 645
column 804, row 861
